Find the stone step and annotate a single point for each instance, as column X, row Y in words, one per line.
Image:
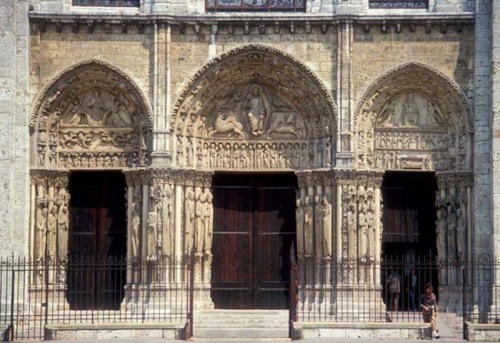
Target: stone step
column 246, row 333
column 240, row 324
column 249, row 324
column 450, row 325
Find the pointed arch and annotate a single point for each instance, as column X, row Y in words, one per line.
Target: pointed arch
column 254, row 63
column 65, row 78
column 439, row 136
column 91, row 115
column 254, row 93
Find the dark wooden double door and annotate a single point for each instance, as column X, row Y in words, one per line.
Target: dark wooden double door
column 97, row 240
column 254, row 228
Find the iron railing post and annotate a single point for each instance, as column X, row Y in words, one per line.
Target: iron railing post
column 190, row 316
column 12, row 294
column 464, row 310
column 292, row 308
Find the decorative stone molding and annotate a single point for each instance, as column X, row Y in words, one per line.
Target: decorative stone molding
column 413, row 118
column 91, row 116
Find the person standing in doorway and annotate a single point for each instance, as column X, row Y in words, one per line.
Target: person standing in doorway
column 428, row 303
column 412, row 282
column 394, row 289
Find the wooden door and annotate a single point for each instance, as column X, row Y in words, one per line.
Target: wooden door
column 254, row 227
column 97, row 240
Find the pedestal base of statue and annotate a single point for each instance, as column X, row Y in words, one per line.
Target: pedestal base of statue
column 358, row 303
column 494, row 314
column 450, row 298
column 157, row 301
column 202, row 299
column 54, row 295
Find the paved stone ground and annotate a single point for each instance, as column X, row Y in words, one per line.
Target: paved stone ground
column 310, row 340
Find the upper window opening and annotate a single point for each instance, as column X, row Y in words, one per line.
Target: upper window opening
column 256, row 5
column 107, row 3
column 411, row 4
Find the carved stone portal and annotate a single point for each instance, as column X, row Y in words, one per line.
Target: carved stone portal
column 257, row 108
column 414, row 118
column 91, row 117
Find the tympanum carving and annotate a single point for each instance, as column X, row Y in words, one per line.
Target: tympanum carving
column 92, row 117
column 413, row 117
column 254, row 111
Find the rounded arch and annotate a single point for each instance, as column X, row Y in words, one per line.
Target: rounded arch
column 257, row 94
column 413, row 117
column 91, row 115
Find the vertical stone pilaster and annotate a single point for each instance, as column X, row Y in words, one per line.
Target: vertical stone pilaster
column 161, row 154
column 345, row 123
column 483, row 170
column 482, row 14
column 14, row 114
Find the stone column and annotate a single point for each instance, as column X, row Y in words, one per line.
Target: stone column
column 202, row 234
column 358, row 289
column 135, row 222
column 49, row 233
column 305, row 249
column 453, row 235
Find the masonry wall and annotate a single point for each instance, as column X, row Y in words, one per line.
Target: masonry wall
column 52, row 52
column 372, row 54
column 450, row 50
column 14, row 185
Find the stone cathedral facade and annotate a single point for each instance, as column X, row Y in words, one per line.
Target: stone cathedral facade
column 169, row 94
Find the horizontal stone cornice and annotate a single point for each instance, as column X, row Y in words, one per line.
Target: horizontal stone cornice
column 229, row 18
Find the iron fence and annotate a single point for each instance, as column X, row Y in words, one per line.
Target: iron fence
column 91, row 290
column 390, row 290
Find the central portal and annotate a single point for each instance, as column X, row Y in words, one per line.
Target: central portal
column 254, row 228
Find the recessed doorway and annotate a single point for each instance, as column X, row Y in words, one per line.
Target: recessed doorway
column 409, row 214
column 97, row 240
column 254, row 228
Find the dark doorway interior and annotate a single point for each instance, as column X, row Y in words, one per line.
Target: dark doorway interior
column 409, row 237
column 409, row 215
column 254, row 228
column 97, row 240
